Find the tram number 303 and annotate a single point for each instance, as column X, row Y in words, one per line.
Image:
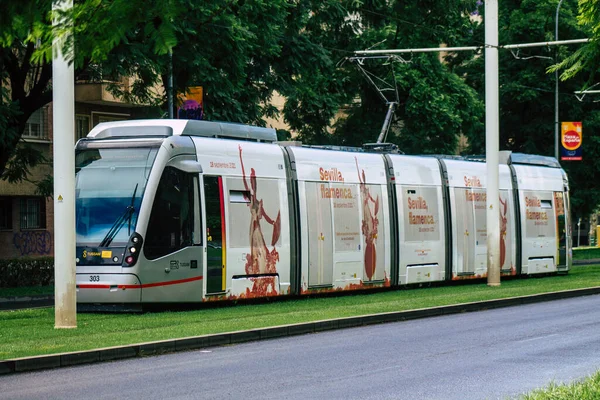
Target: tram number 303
column 94, row 278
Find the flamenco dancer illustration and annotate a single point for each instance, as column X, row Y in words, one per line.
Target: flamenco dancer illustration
column 261, row 260
column 370, row 223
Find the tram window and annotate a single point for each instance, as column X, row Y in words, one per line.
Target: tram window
column 171, row 224
column 238, row 196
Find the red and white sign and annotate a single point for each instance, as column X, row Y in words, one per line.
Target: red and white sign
column 571, row 138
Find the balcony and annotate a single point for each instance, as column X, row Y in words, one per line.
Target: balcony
column 98, row 93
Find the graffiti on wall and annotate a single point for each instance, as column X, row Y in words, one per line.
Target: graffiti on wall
column 35, row 242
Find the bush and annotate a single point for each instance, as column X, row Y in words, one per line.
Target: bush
column 22, row 272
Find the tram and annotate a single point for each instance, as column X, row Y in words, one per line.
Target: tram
column 178, row 211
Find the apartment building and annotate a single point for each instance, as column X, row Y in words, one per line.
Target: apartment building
column 26, row 218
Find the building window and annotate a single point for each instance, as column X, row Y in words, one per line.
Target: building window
column 34, row 128
column 5, row 213
column 82, row 126
column 32, row 213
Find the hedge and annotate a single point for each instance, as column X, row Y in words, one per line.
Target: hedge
column 23, row 272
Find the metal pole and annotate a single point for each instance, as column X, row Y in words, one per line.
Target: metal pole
column 63, row 105
column 386, row 123
column 492, row 111
column 556, row 122
column 170, row 84
column 359, row 53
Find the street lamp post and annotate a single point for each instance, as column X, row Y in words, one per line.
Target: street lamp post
column 556, row 122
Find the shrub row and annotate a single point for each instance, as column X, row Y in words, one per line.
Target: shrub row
column 23, row 272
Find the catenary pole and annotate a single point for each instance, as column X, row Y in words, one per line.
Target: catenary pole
column 492, row 111
column 63, row 117
column 556, row 122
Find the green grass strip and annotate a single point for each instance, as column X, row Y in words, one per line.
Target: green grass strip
column 586, row 253
column 587, row 389
column 31, row 332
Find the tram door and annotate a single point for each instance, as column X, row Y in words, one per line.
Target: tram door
column 320, row 237
column 215, row 234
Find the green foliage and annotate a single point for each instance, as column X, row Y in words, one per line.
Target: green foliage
column 244, row 52
column 283, row 135
column 527, row 92
column 25, row 157
column 586, row 58
column 435, row 105
column 8, row 112
column 45, row 187
column 27, row 272
column 24, row 25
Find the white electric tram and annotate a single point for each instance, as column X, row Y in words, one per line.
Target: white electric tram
column 172, row 211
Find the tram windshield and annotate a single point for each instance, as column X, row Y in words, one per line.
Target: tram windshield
column 110, row 184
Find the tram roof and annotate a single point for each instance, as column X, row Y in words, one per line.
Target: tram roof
column 174, row 127
column 507, row 157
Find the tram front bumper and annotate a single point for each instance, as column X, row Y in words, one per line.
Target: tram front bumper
column 108, row 288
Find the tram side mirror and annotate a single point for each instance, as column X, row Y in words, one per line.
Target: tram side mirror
column 189, row 166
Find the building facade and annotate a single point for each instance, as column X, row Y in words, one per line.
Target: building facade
column 26, row 217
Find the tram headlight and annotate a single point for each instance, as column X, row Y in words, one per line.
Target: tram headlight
column 133, row 250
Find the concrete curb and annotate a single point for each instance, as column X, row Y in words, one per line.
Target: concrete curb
column 220, row 339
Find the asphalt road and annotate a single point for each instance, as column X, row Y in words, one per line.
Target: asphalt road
column 484, row 355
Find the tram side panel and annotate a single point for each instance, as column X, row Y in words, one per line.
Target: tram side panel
column 541, row 199
column 421, row 227
column 247, row 220
column 344, row 220
column 468, row 196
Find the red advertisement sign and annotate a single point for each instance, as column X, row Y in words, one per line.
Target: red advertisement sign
column 571, row 138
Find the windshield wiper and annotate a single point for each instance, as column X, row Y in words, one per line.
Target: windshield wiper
column 112, row 232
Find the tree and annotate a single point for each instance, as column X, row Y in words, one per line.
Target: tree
column 133, row 38
column 587, row 57
column 25, row 67
column 527, row 92
column 24, row 85
column 435, row 106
